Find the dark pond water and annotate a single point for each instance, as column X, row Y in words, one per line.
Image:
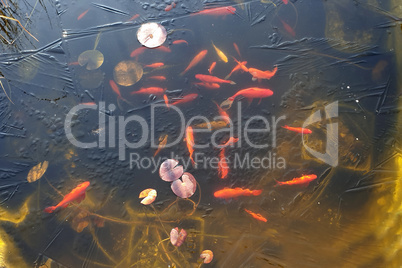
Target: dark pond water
column 330, row 69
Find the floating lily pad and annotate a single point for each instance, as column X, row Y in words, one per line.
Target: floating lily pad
column 93, row 59
column 149, row 194
column 185, row 187
column 170, row 171
column 127, row 73
column 91, row 79
column 151, row 34
column 176, row 238
column 207, row 255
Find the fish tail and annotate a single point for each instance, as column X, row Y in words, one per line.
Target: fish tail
column 277, row 183
column 256, row 192
column 50, row 209
column 232, row 83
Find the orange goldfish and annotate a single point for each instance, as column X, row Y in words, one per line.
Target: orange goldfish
column 211, row 68
column 82, row 14
column 162, row 143
column 133, row 17
column 218, row 11
column 137, row 51
column 223, row 168
column 303, row 180
column 208, row 85
column 190, row 142
column 155, row 65
column 253, row 93
column 88, row 103
column 195, row 60
column 258, row 74
column 176, row 42
column 168, row 7
column 223, row 114
column 213, row 125
column 288, row 28
column 298, row 129
column 256, row 215
column 77, row 195
column 227, row 193
column 149, row 90
column 231, row 141
column 240, row 65
column 237, row 49
column 212, row 79
column 285, row 2
column 166, row 99
column 186, row 98
column 164, row 49
column 158, row 77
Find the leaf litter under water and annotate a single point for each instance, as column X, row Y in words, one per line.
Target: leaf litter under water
column 37, row 171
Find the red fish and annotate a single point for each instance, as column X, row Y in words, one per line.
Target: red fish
column 218, row 11
column 158, row 77
column 258, row 74
column 137, row 51
column 288, row 28
column 77, row 194
column 211, row 68
column 298, row 129
column 115, row 88
column 82, row 14
column 285, row 2
column 256, row 215
column 166, row 99
column 164, row 49
column 88, row 103
column 73, row 63
column 149, row 90
column 223, row 114
column 176, row 42
column 155, row 65
column 227, row 193
column 190, row 142
column 237, row 49
column 208, row 85
column 223, row 168
column 253, row 93
column 134, row 17
column 168, row 7
column 212, row 79
column 195, row 60
column 303, row 180
column 186, row 98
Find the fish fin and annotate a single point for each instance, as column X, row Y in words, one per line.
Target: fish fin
column 254, row 79
column 278, row 183
column 259, row 101
column 232, row 83
column 227, row 77
column 50, row 209
column 65, row 205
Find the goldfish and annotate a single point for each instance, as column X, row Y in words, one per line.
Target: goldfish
column 288, row 28
column 223, row 168
column 208, row 85
column 114, row 87
column 166, row 99
column 240, row 65
column 149, row 90
column 218, row 11
column 211, row 68
column 77, row 194
column 168, row 7
column 155, row 65
column 248, row 93
column 158, row 77
column 186, row 98
column 223, row 114
column 137, row 52
column 237, row 49
column 82, row 14
column 134, row 17
column 212, row 79
column 256, row 215
column 231, row 141
column 195, row 60
column 258, row 74
column 303, row 180
column 221, row 55
column 176, row 42
column 164, row 49
column 88, row 103
column 162, row 143
column 227, row 193
column 190, row 142
column 285, row 2
column 298, row 129
column 212, row 125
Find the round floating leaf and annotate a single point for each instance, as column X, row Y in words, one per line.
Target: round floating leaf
column 93, row 59
column 91, row 79
column 170, row 171
column 176, row 238
column 127, row 73
column 149, row 194
column 151, row 34
column 185, row 187
column 207, row 255
column 37, row 171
